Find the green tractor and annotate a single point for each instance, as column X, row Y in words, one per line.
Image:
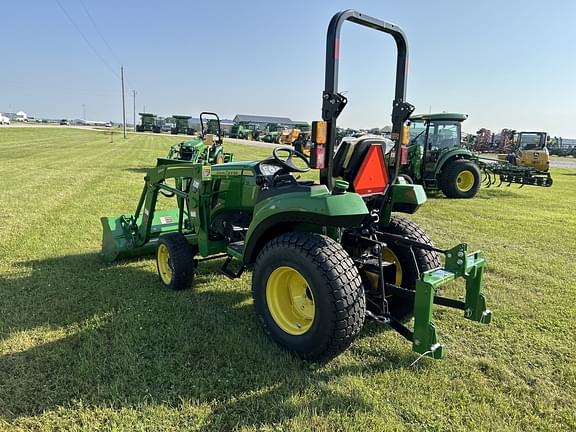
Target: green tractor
column 436, row 157
column 148, row 123
column 271, row 134
column 208, row 148
column 324, row 255
column 244, row 131
column 181, row 125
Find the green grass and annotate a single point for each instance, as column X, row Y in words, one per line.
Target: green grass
column 90, row 346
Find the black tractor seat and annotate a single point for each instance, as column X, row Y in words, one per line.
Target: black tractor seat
column 351, row 153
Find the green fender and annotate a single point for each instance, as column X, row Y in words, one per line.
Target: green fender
column 315, row 207
column 451, row 154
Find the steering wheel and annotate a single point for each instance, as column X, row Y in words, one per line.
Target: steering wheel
column 287, row 162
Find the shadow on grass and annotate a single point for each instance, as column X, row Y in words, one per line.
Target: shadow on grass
column 485, row 193
column 502, row 191
column 76, row 329
column 142, row 170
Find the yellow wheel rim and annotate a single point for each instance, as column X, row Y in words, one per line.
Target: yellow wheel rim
column 465, row 181
column 389, row 256
column 290, row 301
column 164, row 268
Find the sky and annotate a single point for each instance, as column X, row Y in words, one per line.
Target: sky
column 504, row 63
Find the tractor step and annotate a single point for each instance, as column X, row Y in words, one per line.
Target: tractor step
column 226, row 271
column 235, row 251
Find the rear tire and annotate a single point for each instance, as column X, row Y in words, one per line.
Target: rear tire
column 412, row 264
column 175, row 261
column 308, row 295
column 460, row 179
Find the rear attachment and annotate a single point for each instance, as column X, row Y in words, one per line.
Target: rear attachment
column 458, row 263
column 498, row 173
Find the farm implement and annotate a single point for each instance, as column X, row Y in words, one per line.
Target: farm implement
column 324, row 255
column 497, row 173
column 207, row 148
column 527, row 164
column 437, row 159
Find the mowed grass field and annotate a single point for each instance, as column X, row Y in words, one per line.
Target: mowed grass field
column 91, row 346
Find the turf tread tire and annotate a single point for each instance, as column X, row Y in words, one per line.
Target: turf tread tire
column 424, row 259
column 181, row 261
column 335, row 278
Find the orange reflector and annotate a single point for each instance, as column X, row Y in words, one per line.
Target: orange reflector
column 372, row 177
column 405, row 135
column 319, row 132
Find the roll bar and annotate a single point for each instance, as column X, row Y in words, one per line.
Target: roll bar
column 333, row 103
column 203, row 130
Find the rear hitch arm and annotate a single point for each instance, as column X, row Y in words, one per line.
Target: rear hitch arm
column 458, row 263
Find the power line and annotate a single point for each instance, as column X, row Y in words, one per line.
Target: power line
column 99, row 32
column 110, row 68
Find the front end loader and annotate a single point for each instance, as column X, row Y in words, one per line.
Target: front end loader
column 324, row 255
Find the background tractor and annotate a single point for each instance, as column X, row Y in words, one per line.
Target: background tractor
column 208, row 148
column 271, row 134
column 530, row 150
column 288, row 136
column 436, row 157
column 148, row 123
column 181, row 125
column 325, row 255
column 244, row 131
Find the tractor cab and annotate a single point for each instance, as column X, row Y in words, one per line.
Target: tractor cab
column 531, row 151
column 431, row 137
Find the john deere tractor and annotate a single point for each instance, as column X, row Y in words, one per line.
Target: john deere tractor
column 271, row 133
column 436, row 158
column 324, row 255
column 207, row 148
column 245, row 131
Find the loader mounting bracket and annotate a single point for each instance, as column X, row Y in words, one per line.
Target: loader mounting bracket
column 332, row 105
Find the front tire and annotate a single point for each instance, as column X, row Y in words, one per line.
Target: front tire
column 308, row 295
column 460, row 179
column 175, row 261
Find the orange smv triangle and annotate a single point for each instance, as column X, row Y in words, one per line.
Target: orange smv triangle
column 372, row 177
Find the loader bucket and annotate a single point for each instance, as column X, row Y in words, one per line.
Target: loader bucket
column 117, row 241
column 120, row 239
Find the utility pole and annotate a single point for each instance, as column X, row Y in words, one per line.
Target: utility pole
column 84, row 112
column 134, row 95
column 123, row 101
